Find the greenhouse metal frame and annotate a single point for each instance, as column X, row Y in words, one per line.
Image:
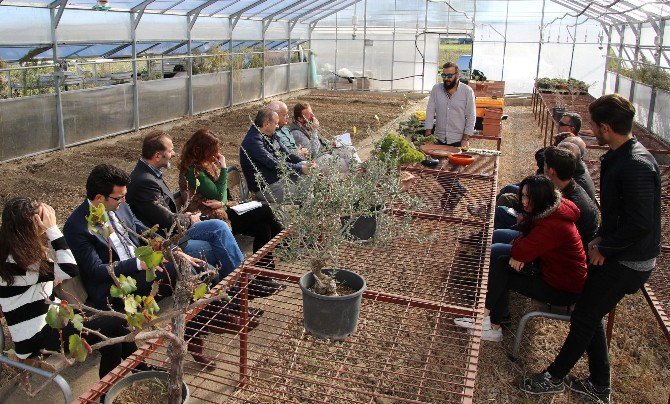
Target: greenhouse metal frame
column 404, row 36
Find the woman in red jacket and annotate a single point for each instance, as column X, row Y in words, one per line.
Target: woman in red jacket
column 547, row 236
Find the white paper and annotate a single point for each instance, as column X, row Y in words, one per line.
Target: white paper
column 245, row 207
column 343, row 140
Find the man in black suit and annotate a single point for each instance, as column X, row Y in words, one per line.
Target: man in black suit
column 106, row 185
column 209, row 238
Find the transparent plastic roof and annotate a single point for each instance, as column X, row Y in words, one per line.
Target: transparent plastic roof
column 286, row 10
column 25, row 25
column 308, row 11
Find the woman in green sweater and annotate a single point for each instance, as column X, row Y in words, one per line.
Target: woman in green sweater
column 203, row 177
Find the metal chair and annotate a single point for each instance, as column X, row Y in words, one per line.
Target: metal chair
column 237, row 185
column 545, row 310
column 62, row 384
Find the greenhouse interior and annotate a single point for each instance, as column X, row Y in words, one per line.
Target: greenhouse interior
column 83, row 81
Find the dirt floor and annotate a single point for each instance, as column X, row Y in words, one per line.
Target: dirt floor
column 639, row 352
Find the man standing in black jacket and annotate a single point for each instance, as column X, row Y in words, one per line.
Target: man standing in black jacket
column 622, row 255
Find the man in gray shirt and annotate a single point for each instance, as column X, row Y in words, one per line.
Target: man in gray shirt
column 283, row 132
column 452, row 104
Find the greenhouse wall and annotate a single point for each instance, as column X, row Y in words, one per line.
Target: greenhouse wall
column 29, row 125
column 509, row 45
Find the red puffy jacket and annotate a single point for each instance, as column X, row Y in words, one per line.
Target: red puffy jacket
column 554, row 240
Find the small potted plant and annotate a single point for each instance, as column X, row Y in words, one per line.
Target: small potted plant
column 319, row 211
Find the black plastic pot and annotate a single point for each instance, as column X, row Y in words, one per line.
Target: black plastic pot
column 363, row 228
column 334, row 317
column 127, row 381
column 557, row 113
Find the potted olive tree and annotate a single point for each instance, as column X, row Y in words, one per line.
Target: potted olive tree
column 145, row 320
column 321, row 211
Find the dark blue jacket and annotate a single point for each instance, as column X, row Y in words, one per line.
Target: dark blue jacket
column 262, row 153
column 92, row 255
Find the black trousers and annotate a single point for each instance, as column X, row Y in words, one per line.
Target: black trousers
column 259, row 223
column 111, row 356
column 605, row 286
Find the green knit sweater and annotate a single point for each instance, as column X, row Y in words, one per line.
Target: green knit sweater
column 207, row 187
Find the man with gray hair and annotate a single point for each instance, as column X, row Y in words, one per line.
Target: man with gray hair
column 582, row 177
column 261, row 152
column 283, row 133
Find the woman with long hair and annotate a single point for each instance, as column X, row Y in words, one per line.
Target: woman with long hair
column 544, row 259
column 28, row 276
column 203, row 177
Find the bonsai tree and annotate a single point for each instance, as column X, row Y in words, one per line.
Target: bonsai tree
column 141, row 312
column 321, row 208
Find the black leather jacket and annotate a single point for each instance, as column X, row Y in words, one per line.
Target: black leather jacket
column 630, row 203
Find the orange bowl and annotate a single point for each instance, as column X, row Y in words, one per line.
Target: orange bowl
column 461, row 159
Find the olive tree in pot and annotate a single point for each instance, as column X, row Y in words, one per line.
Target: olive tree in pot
column 141, row 312
column 323, row 211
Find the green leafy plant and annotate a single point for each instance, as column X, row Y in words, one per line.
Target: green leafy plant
column 413, row 129
column 398, row 149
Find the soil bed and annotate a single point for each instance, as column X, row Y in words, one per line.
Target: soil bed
column 144, row 392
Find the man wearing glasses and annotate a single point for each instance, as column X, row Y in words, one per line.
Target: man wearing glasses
column 453, row 106
column 283, row 132
column 569, row 125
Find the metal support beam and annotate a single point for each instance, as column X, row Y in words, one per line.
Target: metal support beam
column 315, row 21
column 193, row 14
column 139, row 11
column 539, row 50
column 607, row 58
column 232, row 61
column 654, row 89
column 236, row 15
column 395, row 11
column 316, row 8
column 574, row 43
column 285, row 9
column 502, row 72
column 621, row 31
column 136, row 88
column 265, row 28
column 365, row 37
column 57, row 79
column 60, row 5
column 633, row 84
column 288, row 67
column 189, row 84
column 423, row 61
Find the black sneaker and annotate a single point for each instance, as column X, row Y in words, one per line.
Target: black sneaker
column 597, row 394
column 541, row 383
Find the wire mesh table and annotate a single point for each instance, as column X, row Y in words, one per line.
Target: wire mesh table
column 406, row 347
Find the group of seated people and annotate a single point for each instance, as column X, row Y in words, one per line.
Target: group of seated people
column 134, row 204
column 543, row 252
column 271, row 144
column 542, row 227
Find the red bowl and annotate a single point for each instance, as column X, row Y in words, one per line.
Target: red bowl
column 461, row 159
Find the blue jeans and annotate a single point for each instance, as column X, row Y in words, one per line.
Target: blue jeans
column 213, row 239
column 502, row 219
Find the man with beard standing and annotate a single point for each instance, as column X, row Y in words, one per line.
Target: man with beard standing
column 452, row 104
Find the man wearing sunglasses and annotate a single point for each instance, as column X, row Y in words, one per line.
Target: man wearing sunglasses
column 452, row 105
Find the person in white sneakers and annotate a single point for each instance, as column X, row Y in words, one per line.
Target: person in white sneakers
column 544, row 260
